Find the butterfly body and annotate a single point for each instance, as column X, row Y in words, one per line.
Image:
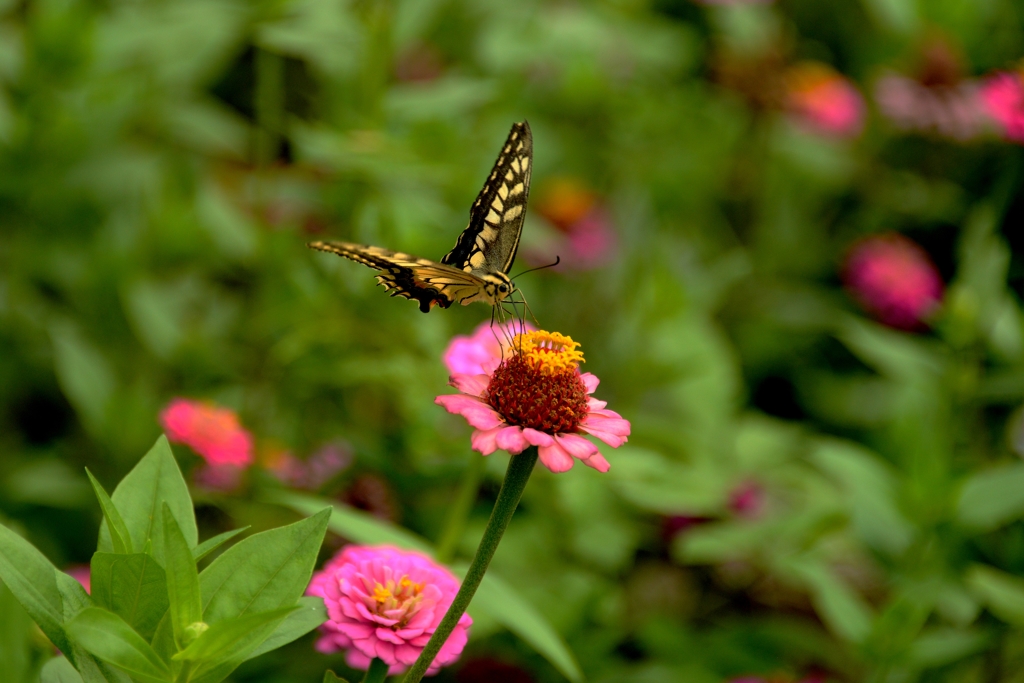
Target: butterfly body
column 477, row 268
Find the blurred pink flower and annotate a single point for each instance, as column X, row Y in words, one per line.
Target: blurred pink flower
column 1003, row 97
column 538, row 397
column 82, row 574
column 894, row 279
column 952, row 111
column 312, row 473
column 218, row 477
column 482, row 351
column 214, row 433
column 747, row 500
column 824, row 99
column 384, row 602
column 587, row 238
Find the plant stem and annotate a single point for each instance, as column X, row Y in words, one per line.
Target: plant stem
column 518, row 473
column 460, row 509
column 377, row 672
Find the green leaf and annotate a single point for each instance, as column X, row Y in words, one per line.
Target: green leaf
column 59, row 670
column 119, row 536
column 33, row 581
column 155, row 480
column 186, row 604
column 15, row 625
column 309, row 614
column 211, row 544
column 512, row 611
column 942, row 646
column 351, row 523
column 233, row 638
column 134, row 587
column 84, row 374
column 331, row 677
column 992, row 498
column 264, row 572
column 1002, row 593
column 107, row 636
column 843, row 611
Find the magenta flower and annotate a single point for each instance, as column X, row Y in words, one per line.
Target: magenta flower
column 1003, row 98
column 894, row 279
column 385, row 603
column 952, row 111
column 537, row 397
column 81, row 573
column 213, row 433
column 747, row 500
column 482, row 351
column 824, row 100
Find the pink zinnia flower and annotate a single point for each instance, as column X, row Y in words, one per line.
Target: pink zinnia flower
column 482, row 351
column 384, row 602
column 952, row 111
column 214, row 433
column 537, row 397
column 894, row 279
column 824, row 99
column 1003, row 97
column 81, row 573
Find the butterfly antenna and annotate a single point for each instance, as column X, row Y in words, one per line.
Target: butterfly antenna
column 558, row 259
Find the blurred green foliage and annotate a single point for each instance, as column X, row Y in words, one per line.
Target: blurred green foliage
column 162, row 165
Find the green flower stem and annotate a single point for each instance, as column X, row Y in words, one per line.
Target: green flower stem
column 518, row 473
column 455, row 525
column 377, row 672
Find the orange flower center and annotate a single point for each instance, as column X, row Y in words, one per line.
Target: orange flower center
column 539, row 386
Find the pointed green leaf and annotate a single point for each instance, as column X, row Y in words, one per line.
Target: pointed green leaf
column 186, row 605
column 992, row 497
column 134, row 587
column 310, row 614
column 74, row 599
column 1002, row 593
column 59, row 670
column 331, row 677
column 107, row 636
column 209, row 545
column 155, row 480
column 265, row 571
column 119, row 536
column 233, row 638
column 33, row 581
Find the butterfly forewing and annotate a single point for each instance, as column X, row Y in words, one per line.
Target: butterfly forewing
column 490, row 242
column 477, row 268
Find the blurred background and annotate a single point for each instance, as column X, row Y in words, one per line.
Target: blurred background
column 791, row 248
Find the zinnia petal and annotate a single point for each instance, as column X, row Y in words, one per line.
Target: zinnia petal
column 484, row 441
column 537, row 438
column 477, row 413
column 511, row 439
column 555, row 458
column 473, row 385
column 597, row 461
column 608, row 426
column 590, row 381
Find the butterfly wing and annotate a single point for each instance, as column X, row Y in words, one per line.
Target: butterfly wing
column 422, row 280
column 490, row 242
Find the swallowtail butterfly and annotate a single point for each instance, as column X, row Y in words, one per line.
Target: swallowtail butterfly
column 477, row 268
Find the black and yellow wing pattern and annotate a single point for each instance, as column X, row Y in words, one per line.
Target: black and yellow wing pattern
column 477, row 268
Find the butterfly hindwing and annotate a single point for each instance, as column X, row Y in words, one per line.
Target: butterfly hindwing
column 422, row 280
column 490, row 242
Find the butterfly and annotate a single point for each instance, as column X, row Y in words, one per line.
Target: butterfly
column 477, row 268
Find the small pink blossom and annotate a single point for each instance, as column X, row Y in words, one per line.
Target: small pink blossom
column 81, row 573
column 482, row 351
column 952, row 111
column 312, row 473
column 1003, row 97
column 224, row 478
column 747, row 500
column 538, row 397
column 585, row 238
column 384, row 602
column 212, row 432
column 894, row 279
column 824, row 100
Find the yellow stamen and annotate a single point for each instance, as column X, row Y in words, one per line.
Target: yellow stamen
column 381, row 594
column 551, row 352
